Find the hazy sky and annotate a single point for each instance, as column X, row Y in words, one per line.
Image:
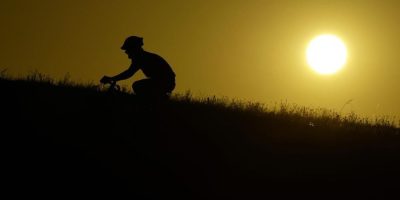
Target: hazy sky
column 252, row 50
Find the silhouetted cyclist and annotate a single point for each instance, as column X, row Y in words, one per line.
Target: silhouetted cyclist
column 160, row 77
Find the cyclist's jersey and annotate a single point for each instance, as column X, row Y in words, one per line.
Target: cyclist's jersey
column 154, row 66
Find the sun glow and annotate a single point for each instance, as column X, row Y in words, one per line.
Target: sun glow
column 326, row 54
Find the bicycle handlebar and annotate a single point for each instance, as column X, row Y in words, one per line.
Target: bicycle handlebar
column 113, row 86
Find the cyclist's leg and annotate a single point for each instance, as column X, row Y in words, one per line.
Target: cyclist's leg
column 142, row 87
column 153, row 88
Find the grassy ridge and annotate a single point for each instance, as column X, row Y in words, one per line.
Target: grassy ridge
column 70, row 138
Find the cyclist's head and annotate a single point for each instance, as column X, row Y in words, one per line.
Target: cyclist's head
column 132, row 43
column 133, row 46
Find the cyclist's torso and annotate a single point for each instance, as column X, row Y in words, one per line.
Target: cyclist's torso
column 154, row 66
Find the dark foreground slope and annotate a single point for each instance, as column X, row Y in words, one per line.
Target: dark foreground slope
column 69, row 141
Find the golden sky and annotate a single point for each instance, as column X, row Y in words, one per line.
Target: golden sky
column 251, row 50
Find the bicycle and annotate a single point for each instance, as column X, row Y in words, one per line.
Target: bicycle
column 112, row 88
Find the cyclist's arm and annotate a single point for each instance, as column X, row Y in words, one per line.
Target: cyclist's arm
column 126, row 74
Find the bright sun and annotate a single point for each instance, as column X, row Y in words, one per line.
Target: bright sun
column 326, row 54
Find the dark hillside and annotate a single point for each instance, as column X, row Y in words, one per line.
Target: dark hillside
column 62, row 140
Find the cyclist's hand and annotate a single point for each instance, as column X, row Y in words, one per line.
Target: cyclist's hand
column 106, row 79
